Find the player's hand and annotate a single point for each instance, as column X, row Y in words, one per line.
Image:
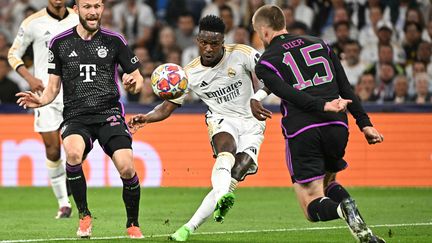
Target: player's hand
column 36, row 85
column 372, row 135
column 29, row 99
column 129, row 83
column 136, row 122
column 337, row 105
column 258, row 111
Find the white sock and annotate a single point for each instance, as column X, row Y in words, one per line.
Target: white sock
column 339, row 212
column 204, row 211
column 57, row 175
column 221, row 174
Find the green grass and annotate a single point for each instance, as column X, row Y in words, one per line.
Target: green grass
column 269, row 214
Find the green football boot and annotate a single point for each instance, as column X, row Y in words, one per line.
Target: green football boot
column 224, row 204
column 182, row 234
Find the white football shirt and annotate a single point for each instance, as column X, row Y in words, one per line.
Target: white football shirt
column 37, row 30
column 227, row 87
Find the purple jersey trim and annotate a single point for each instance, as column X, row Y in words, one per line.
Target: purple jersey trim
column 317, row 125
column 118, row 88
column 330, row 186
column 61, row 35
column 112, row 33
column 288, row 158
column 73, row 168
column 130, row 181
column 269, row 65
column 310, row 179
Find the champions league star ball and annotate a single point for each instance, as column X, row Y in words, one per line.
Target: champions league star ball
column 169, row 81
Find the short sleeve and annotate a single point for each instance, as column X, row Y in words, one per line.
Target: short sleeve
column 126, row 58
column 54, row 61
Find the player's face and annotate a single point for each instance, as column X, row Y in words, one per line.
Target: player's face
column 90, row 13
column 210, row 46
column 57, row 3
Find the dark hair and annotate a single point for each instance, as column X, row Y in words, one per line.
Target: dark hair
column 341, row 23
column 417, row 25
column 353, row 42
column 212, row 23
column 227, row 8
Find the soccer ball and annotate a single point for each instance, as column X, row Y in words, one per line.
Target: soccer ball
column 169, row 81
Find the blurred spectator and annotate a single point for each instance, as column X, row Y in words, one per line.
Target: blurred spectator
column 411, row 41
column 427, row 34
column 174, row 56
column 423, row 94
column 385, row 56
column 4, row 45
column 325, row 16
column 402, row 10
column 189, row 54
column 167, row 42
column 385, row 37
column 400, row 95
column 248, row 8
column 241, row 36
column 353, row 66
column 132, row 17
column 385, row 84
column 368, row 34
column 424, row 54
column 185, row 34
column 302, row 12
column 143, row 54
column 107, row 20
column 365, row 88
column 147, row 96
column 413, row 15
column 8, row 88
column 340, row 15
column 412, row 70
column 226, row 14
column 214, row 9
column 341, row 30
column 288, row 12
column 298, row 28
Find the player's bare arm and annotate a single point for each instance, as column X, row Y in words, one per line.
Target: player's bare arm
column 35, row 84
column 159, row 113
column 133, row 82
column 258, row 110
column 30, row 99
column 372, row 135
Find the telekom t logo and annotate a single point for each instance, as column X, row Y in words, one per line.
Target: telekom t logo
column 88, row 70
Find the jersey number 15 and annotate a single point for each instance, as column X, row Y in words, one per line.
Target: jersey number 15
column 310, row 61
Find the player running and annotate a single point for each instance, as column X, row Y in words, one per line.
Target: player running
column 221, row 77
column 84, row 61
column 37, row 30
column 305, row 73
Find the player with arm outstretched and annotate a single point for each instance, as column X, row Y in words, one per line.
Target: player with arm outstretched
column 305, row 73
column 84, row 60
column 37, row 30
column 222, row 78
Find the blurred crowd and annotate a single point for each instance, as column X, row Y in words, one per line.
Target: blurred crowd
column 385, row 45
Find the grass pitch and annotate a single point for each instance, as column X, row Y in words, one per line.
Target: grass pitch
column 259, row 215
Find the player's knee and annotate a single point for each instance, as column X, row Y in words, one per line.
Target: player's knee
column 52, row 152
column 74, row 156
column 127, row 171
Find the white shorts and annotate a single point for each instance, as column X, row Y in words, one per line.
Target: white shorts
column 248, row 134
column 48, row 118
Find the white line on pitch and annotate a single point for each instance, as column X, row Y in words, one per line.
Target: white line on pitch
column 222, row 232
